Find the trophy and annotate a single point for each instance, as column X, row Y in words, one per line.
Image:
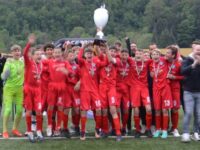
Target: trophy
column 100, row 20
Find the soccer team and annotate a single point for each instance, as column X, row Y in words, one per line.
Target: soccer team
column 106, row 80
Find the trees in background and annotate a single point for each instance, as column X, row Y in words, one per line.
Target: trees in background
column 144, row 21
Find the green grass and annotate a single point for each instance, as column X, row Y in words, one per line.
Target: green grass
column 98, row 144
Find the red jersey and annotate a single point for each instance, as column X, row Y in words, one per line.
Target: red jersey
column 45, row 75
column 56, row 76
column 160, row 70
column 74, row 76
column 88, row 73
column 123, row 71
column 174, row 68
column 139, row 73
column 108, row 73
column 33, row 70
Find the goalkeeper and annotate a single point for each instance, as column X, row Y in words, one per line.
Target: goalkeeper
column 13, row 77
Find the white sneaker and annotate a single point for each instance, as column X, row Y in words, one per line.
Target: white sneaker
column 153, row 130
column 185, row 137
column 56, row 133
column 195, row 136
column 49, row 131
column 31, row 137
column 39, row 136
column 176, row 133
column 33, row 127
column 143, row 129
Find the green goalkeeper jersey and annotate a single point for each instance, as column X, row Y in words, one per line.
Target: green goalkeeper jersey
column 15, row 77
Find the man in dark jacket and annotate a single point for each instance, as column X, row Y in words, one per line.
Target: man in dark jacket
column 191, row 85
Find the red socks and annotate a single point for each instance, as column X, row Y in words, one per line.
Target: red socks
column 105, row 124
column 76, row 120
column 137, row 123
column 175, row 117
column 148, row 121
column 158, row 122
column 165, row 122
column 39, row 122
column 28, row 123
column 65, row 121
column 98, row 120
column 116, row 123
column 49, row 117
column 59, row 119
column 125, row 120
column 83, row 123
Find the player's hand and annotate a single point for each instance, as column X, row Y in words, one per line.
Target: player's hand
column 152, row 74
column 31, row 38
column 63, row 70
column 77, row 86
column 170, row 76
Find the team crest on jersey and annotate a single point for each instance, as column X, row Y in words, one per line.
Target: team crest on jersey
column 161, row 63
column 74, row 67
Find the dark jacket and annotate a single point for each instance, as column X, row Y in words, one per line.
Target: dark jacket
column 191, row 75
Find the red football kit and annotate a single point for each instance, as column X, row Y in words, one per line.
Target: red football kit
column 56, row 88
column 44, row 85
column 107, row 91
column 32, row 83
column 139, row 85
column 161, row 91
column 72, row 97
column 139, row 90
column 123, row 88
column 123, row 85
column 32, row 89
column 161, row 88
column 174, row 69
column 89, row 92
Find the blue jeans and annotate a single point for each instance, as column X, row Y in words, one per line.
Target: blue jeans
column 192, row 106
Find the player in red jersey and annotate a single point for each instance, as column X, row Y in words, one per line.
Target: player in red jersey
column 48, row 49
column 123, row 87
column 107, row 91
column 89, row 94
column 161, row 93
column 72, row 97
column 58, row 70
column 175, row 77
column 139, row 91
column 32, row 88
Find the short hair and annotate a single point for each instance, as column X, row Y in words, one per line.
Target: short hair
column 196, row 42
column 118, row 43
column 49, row 45
column 174, row 50
column 33, row 50
column 157, row 50
column 14, row 47
column 112, row 47
column 140, row 50
column 124, row 51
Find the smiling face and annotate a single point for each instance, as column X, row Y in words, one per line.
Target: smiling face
column 156, row 55
column 196, row 50
column 37, row 55
column 57, row 53
column 16, row 53
column 124, row 56
column 139, row 55
column 70, row 56
column 169, row 55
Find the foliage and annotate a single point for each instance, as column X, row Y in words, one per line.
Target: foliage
column 145, row 21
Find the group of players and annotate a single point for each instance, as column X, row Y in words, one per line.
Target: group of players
column 106, row 80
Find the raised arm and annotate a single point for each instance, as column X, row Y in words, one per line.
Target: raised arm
column 31, row 40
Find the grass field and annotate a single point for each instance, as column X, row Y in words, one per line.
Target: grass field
column 98, row 144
